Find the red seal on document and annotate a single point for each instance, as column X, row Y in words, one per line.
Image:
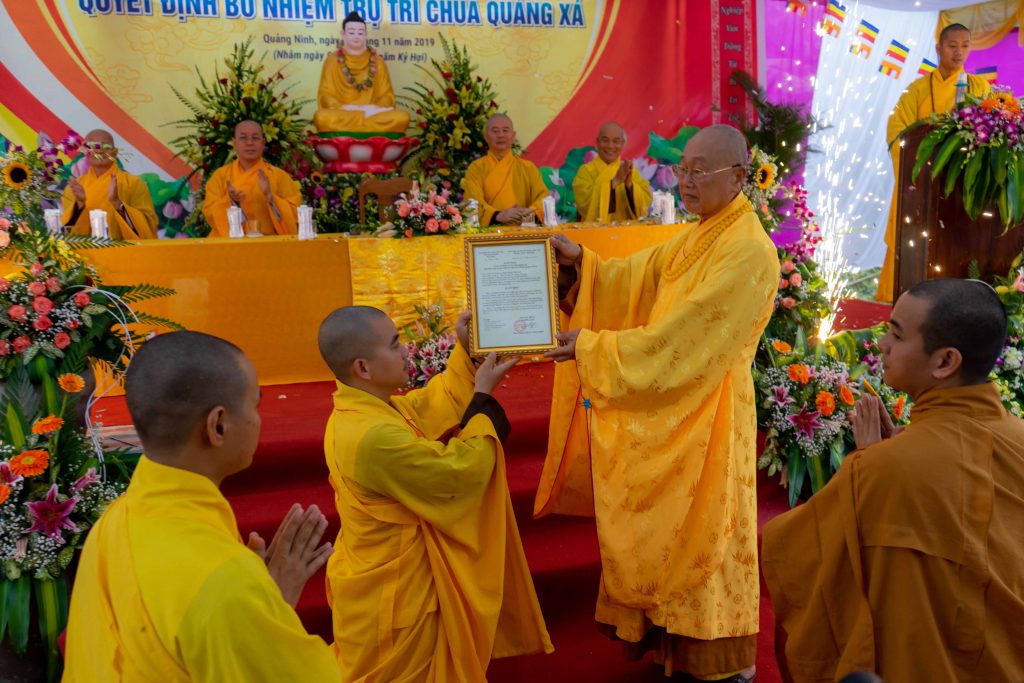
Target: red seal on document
column 519, row 326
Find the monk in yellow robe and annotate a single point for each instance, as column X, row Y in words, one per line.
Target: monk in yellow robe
column 507, row 188
column 268, row 196
column 934, row 93
column 909, row 562
column 653, row 421
column 429, row 580
column 355, row 94
column 125, row 197
column 608, row 188
column 166, row 592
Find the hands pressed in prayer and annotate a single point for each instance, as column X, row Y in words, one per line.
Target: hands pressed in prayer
column 567, row 252
column 78, row 192
column 264, row 182
column 115, row 201
column 624, row 176
column 567, row 346
column 462, row 329
column 871, row 422
column 294, row 554
column 491, row 371
column 236, row 196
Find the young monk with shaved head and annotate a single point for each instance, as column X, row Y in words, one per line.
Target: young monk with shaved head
column 166, row 591
column 909, row 562
column 429, row 580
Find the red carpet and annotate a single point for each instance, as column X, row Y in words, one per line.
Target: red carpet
column 562, row 551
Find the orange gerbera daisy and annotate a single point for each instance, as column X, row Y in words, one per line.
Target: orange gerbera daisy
column 781, row 346
column 846, row 395
column 30, row 463
column 826, row 403
column 799, row 373
column 5, row 493
column 901, row 405
column 71, row 383
column 45, row 425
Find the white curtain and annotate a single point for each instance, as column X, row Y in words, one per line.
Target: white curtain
column 849, row 181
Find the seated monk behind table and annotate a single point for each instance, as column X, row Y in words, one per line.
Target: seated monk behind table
column 355, row 92
column 507, row 189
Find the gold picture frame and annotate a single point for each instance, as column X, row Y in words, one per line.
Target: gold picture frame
column 512, row 287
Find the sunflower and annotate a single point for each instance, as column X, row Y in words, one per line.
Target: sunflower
column 765, row 176
column 30, row 463
column 317, row 177
column 17, row 175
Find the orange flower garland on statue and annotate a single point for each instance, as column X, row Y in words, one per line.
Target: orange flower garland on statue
column 71, row 383
column 45, row 425
column 30, row 463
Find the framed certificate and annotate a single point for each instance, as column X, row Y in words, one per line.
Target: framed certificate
column 512, row 284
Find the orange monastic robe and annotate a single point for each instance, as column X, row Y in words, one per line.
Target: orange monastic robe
column 927, row 95
column 497, row 185
column 336, row 91
column 592, row 188
column 665, row 454
column 428, row 580
column 287, row 198
column 139, row 221
column 909, row 562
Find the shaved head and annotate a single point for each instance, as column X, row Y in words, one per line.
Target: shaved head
column 721, row 145
column 102, row 151
column 953, row 28
column 346, row 335
column 968, row 316
column 101, row 136
column 176, row 379
column 495, row 118
column 612, row 129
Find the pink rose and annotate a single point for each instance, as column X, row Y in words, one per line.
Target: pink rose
column 5, row 348
column 62, row 340
column 21, row 343
column 452, row 210
column 36, row 288
column 445, row 224
column 788, row 302
column 440, row 200
column 428, row 209
column 1018, row 284
column 456, row 219
column 42, row 323
column 42, row 305
column 783, row 283
column 403, row 209
column 796, row 279
column 5, row 284
column 53, row 284
column 5, row 224
column 5, row 238
column 408, row 232
column 788, row 267
column 319, row 192
column 37, row 269
column 432, row 224
column 82, row 300
column 72, row 324
column 16, row 313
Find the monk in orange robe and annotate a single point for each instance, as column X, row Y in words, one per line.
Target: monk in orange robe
column 653, row 421
column 355, row 94
column 933, row 93
column 125, row 197
column 429, row 580
column 507, row 188
column 268, row 196
column 909, row 562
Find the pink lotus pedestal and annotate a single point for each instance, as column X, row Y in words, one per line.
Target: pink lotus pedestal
column 377, row 154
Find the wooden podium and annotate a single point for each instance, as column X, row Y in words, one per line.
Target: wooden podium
column 935, row 237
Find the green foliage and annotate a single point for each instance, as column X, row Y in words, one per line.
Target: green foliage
column 670, row 150
column 780, row 130
column 561, row 179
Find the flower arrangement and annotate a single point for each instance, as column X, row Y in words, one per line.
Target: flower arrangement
column 244, row 92
column 762, row 185
column 451, row 106
column 32, row 178
column 800, row 302
column 1008, row 374
column 430, row 344
column 335, row 199
column 417, row 214
column 981, row 141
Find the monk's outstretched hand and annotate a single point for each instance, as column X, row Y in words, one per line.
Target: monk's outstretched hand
column 567, row 346
column 295, row 553
column 491, row 371
column 567, row 252
column 462, row 329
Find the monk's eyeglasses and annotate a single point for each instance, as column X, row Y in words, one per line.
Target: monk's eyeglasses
column 699, row 175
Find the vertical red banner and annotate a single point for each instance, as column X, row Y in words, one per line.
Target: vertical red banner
column 734, row 47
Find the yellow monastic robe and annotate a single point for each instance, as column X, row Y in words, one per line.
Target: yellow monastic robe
column 927, row 95
column 665, row 454
column 593, row 190
column 428, row 579
column 287, row 198
column 909, row 562
column 499, row 185
column 133, row 193
column 166, row 592
column 335, row 92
